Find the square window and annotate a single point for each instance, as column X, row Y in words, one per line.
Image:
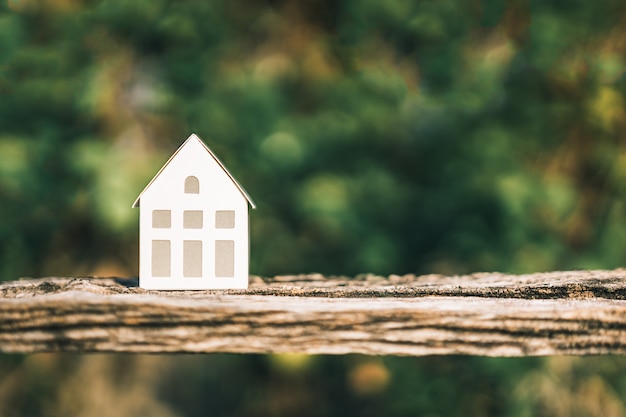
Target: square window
column 224, row 219
column 192, row 219
column 161, row 219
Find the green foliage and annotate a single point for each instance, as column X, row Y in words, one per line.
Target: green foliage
column 310, row 386
column 375, row 136
column 385, row 137
column 388, row 137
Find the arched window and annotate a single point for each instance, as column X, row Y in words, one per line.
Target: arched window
column 192, row 185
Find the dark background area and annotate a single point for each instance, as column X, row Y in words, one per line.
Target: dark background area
column 375, row 136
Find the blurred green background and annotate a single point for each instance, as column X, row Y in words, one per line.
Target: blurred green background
column 384, row 136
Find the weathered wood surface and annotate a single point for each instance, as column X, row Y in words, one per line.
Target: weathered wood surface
column 577, row 312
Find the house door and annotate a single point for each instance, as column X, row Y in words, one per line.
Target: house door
column 192, row 258
column 224, row 258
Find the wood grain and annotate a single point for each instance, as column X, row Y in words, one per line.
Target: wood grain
column 576, row 312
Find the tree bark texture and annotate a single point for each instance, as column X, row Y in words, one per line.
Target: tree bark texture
column 492, row 314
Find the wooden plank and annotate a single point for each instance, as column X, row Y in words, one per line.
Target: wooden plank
column 576, row 312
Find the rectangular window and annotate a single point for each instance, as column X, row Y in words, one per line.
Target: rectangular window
column 161, row 258
column 192, row 219
column 161, row 219
column 225, row 258
column 192, row 258
column 224, row 219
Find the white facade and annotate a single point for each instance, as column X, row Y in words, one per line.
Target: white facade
column 193, row 224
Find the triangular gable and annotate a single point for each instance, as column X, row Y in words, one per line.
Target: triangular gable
column 194, row 136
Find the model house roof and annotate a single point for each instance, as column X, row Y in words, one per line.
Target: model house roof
column 194, row 137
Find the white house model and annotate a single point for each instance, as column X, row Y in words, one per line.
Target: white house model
column 193, row 224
